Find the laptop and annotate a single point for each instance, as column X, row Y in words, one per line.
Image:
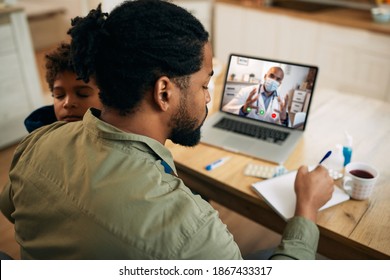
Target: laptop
column 250, row 119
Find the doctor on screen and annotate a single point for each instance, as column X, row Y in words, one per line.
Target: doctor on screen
column 262, row 102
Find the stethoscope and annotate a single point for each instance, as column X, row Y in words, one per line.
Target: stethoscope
column 261, row 112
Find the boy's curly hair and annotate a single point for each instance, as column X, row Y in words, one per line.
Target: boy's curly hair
column 58, row 61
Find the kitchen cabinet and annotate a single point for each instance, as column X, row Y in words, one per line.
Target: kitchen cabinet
column 241, row 30
column 20, row 90
column 354, row 61
column 253, row 32
column 297, row 101
column 350, row 60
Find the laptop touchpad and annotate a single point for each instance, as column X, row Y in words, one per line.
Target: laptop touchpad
column 235, row 142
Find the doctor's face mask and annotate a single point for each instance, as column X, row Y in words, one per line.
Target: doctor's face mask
column 271, row 85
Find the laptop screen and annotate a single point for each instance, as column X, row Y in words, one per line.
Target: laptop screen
column 270, row 91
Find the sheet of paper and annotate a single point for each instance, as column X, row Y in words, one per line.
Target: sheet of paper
column 279, row 194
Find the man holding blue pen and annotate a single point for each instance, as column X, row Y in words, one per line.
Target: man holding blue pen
column 106, row 187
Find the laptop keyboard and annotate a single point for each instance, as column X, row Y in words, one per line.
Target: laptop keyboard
column 263, row 133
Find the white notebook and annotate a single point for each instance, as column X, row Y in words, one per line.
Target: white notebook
column 279, row 194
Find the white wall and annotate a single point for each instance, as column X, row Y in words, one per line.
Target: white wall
column 293, row 75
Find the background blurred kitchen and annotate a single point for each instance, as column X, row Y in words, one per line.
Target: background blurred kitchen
column 350, row 46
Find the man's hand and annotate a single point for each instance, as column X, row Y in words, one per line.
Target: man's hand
column 313, row 190
column 249, row 101
column 283, row 107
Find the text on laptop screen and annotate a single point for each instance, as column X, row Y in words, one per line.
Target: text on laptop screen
column 270, row 91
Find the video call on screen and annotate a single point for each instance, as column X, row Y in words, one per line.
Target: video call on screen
column 245, row 73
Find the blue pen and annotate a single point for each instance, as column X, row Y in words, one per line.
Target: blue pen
column 216, row 163
column 325, row 156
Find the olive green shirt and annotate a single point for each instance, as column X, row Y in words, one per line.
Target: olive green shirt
column 87, row 190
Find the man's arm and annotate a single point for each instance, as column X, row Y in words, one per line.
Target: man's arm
column 301, row 235
column 6, row 204
column 299, row 241
column 313, row 189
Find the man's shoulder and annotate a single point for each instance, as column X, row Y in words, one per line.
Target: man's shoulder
column 39, row 133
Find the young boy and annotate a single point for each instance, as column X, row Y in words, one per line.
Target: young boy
column 71, row 97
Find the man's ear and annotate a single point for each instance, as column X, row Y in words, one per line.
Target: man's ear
column 163, row 92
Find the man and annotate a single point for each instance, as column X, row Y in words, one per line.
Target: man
column 262, row 101
column 106, row 187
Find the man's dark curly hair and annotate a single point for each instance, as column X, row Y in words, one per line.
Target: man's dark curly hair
column 137, row 43
column 58, row 61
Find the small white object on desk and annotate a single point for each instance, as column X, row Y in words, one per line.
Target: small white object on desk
column 264, row 171
column 381, row 14
column 335, row 162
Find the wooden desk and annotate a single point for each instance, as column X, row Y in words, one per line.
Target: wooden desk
column 351, row 230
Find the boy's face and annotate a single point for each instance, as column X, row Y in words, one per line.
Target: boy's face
column 72, row 97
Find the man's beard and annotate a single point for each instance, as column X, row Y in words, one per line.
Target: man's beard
column 185, row 130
